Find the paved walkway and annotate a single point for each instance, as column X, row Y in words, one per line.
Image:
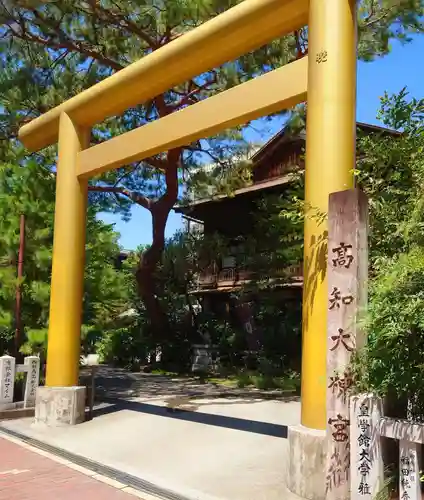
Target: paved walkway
column 26, row 474
column 194, row 440
column 214, row 450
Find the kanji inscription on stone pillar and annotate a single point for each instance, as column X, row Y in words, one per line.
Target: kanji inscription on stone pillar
column 7, row 380
column 347, row 295
column 367, row 469
column 32, row 380
column 409, row 470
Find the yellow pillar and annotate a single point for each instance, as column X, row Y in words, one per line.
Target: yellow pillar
column 68, row 259
column 330, row 159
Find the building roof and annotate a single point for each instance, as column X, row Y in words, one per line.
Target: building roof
column 254, row 187
column 280, row 138
column 285, row 136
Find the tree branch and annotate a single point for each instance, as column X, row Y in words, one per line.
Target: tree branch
column 385, row 12
column 121, row 21
column 135, row 197
column 162, row 107
column 189, row 97
column 64, row 42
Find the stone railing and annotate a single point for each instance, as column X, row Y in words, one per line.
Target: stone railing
column 8, row 371
column 367, row 427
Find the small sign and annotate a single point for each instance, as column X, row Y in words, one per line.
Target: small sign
column 367, row 470
column 32, row 380
column 409, row 471
column 7, row 379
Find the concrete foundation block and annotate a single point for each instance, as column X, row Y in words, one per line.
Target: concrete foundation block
column 60, row 406
column 306, row 462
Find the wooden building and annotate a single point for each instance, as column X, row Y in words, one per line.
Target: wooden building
column 233, row 218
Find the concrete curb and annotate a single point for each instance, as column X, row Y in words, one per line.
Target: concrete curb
column 16, row 413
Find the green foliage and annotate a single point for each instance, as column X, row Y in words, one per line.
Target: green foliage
column 27, row 187
column 277, row 239
column 122, row 347
column 392, row 362
column 49, row 51
column 36, row 343
column 392, row 173
column 220, row 178
column 380, row 21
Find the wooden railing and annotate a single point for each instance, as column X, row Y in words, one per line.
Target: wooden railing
column 210, row 277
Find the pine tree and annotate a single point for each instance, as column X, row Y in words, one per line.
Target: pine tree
column 53, row 50
column 29, row 189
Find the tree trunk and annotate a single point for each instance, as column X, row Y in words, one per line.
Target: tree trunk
column 145, row 274
column 150, row 258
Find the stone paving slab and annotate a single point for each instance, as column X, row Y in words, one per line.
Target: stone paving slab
column 28, row 474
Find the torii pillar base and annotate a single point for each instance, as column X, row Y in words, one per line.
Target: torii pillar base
column 306, row 462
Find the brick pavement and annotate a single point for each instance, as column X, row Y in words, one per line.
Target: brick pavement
column 25, row 474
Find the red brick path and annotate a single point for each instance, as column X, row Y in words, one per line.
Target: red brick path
column 26, row 475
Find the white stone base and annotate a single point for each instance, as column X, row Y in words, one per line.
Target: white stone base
column 60, row 406
column 306, row 462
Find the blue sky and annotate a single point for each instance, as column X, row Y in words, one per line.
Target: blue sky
column 399, row 69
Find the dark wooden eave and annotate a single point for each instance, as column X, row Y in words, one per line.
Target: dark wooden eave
column 264, row 153
column 185, row 209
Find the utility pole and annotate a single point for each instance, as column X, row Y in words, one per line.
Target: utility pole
column 18, row 302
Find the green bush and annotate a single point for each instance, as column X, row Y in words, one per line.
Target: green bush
column 392, row 362
column 122, row 347
column 243, row 380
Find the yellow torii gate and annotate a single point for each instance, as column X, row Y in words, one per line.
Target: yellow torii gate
column 327, row 78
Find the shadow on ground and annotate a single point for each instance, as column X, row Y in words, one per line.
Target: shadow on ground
column 119, row 383
column 179, row 398
column 188, row 415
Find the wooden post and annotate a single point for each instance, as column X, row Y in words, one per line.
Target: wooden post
column 347, row 295
column 18, row 300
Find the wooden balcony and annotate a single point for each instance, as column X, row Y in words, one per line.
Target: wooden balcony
column 213, row 278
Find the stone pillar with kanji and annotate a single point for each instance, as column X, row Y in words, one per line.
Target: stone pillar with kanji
column 32, row 379
column 347, row 296
column 7, row 381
